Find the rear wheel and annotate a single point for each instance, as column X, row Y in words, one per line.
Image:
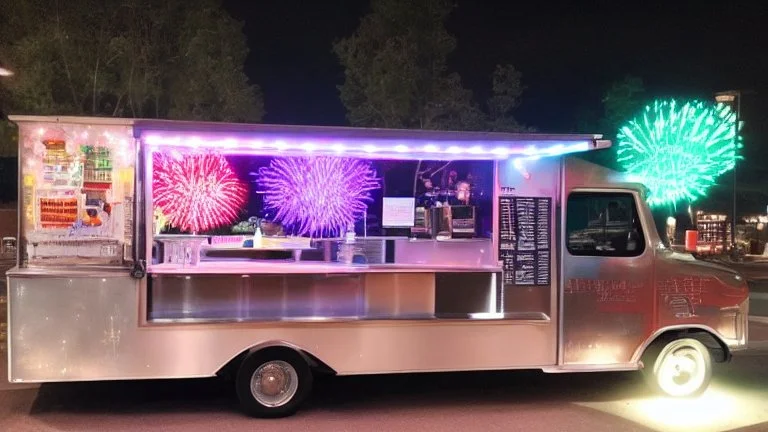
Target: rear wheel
column 678, row 368
column 273, row 382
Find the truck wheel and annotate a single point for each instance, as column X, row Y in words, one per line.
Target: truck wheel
column 273, row 383
column 678, row 368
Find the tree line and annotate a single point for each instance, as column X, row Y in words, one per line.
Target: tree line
column 184, row 59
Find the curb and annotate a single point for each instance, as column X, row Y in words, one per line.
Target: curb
column 756, row 346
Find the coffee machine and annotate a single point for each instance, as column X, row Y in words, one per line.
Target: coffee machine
column 444, row 222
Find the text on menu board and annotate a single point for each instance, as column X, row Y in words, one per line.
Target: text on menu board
column 524, row 239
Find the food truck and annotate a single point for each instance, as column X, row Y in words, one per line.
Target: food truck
column 156, row 249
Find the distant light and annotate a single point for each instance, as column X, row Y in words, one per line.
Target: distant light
column 5, row 72
column 725, row 98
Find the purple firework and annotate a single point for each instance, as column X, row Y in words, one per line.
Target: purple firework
column 317, row 196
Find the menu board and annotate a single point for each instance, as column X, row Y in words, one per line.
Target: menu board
column 525, row 227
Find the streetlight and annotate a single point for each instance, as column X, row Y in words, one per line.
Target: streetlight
column 732, row 98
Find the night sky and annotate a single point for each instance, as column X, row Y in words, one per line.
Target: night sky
column 568, row 52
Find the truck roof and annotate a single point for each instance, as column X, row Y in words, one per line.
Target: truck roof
column 584, row 174
column 371, row 142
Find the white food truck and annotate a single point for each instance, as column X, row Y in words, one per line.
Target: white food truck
column 159, row 249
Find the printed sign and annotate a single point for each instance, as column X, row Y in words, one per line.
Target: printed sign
column 398, row 212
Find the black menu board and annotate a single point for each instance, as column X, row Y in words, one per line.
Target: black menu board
column 525, row 227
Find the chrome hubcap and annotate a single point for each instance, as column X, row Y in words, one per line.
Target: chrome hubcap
column 681, row 371
column 274, row 383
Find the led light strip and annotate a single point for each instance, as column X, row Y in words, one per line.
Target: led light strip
column 374, row 148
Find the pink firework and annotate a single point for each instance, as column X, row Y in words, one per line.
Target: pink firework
column 197, row 192
column 317, row 195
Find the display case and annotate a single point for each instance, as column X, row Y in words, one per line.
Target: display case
column 76, row 192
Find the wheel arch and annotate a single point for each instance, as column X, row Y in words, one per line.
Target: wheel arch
column 230, row 367
column 706, row 335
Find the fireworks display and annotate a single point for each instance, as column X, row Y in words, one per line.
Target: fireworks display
column 317, row 196
column 197, row 192
column 678, row 150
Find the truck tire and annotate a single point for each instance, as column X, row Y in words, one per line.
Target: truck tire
column 273, row 382
column 678, row 367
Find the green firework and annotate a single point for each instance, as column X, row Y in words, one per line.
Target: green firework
column 679, row 150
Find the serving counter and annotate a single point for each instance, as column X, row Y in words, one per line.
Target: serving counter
column 245, row 266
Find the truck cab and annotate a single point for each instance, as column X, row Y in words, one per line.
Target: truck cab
column 629, row 298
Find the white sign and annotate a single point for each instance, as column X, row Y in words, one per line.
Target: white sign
column 398, row 212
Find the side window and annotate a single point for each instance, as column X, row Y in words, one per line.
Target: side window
column 603, row 224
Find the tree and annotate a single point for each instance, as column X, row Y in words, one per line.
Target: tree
column 396, row 74
column 507, row 89
column 213, row 51
column 621, row 101
column 8, row 139
column 127, row 58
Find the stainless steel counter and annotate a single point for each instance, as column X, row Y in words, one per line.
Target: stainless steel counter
column 272, row 267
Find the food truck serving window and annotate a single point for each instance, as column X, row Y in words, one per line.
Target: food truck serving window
column 230, row 207
column 603, row 224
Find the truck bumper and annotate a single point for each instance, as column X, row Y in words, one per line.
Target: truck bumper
column 734, row 326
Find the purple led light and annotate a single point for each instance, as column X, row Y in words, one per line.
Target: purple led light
column 366, row 148
column 317, row 196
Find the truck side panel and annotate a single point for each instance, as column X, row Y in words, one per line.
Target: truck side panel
column 88, row 327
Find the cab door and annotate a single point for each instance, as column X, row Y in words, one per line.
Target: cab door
column 607, row 286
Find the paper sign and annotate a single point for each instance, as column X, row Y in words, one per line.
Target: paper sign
column 398, row 212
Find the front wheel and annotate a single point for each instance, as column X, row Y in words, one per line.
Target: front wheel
column 273, row 383
column 679, row 368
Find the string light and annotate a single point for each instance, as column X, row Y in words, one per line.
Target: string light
column 197, row 192
column 679, row 150
column 317, row 195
